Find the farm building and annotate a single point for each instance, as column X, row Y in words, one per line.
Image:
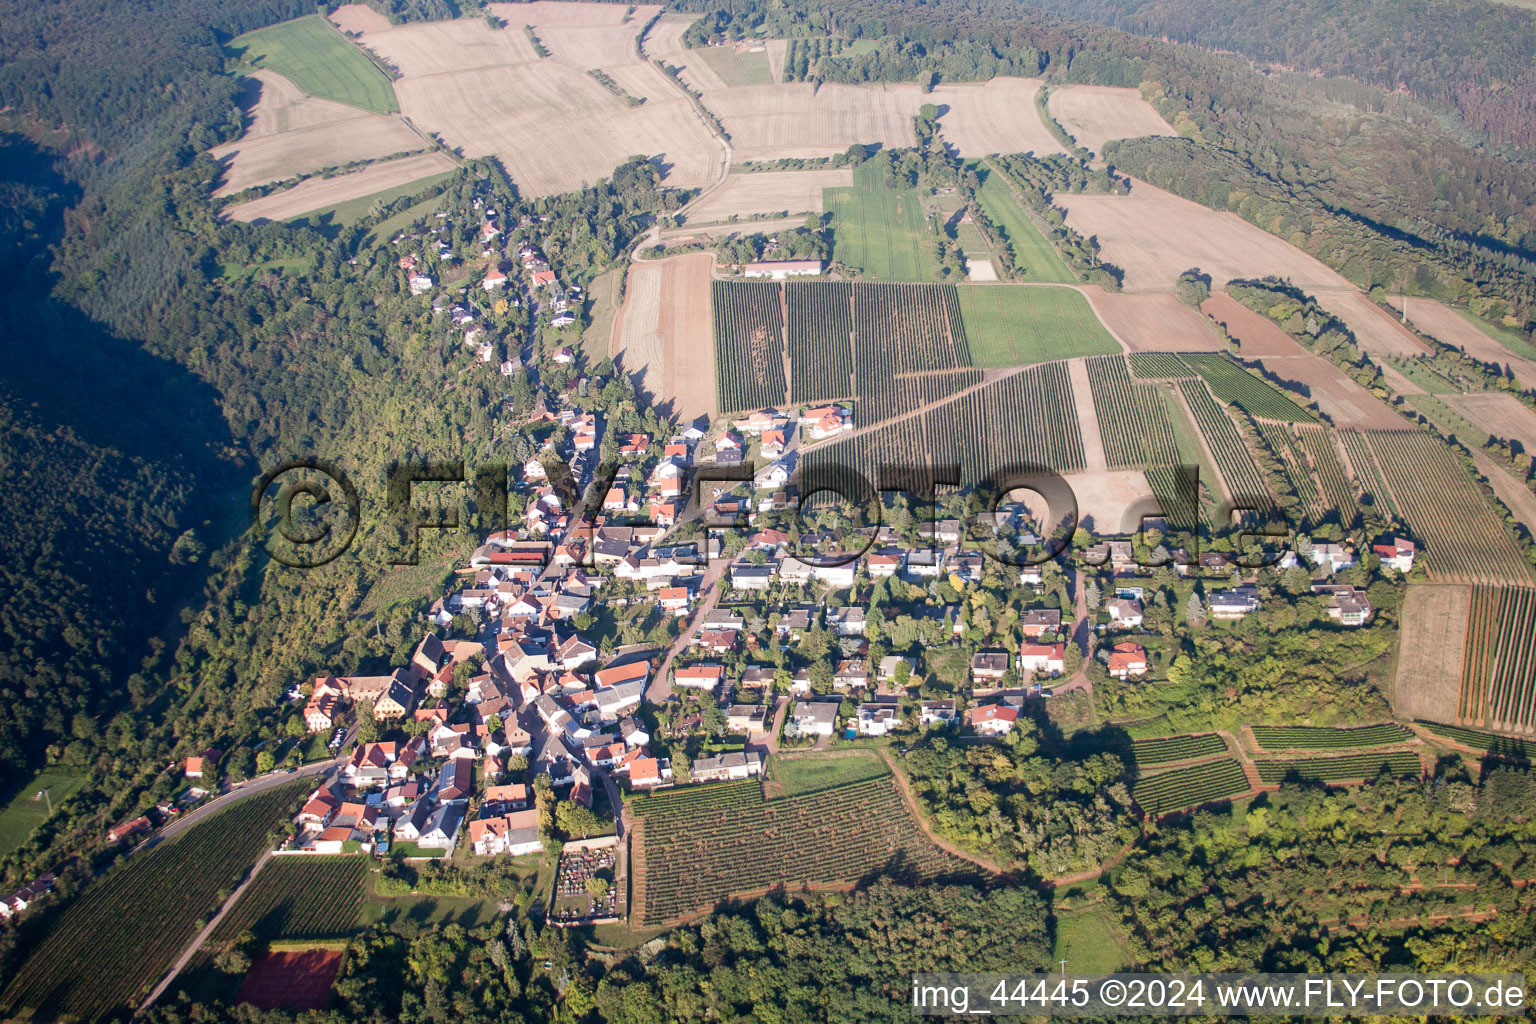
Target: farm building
column 780, row 269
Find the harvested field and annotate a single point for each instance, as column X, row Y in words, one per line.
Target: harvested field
column 1346, row 403
column 1094, row 114
column 1087, row 416
column 1500, row 415
column 665, row 339
column 292, row 134
column 358, row 18
column 1155, row 235
column 998, row 116
column 778, row 49
column 1153, row 322
column 1429, row 662
column 1108, row 501
column 319, row 193
column 553, row 127
column 291, row 981
column 980, row 270
column 1377, row 333
column 764, row 192
column 665, row 39
column 767, row 122
column 1451, row 327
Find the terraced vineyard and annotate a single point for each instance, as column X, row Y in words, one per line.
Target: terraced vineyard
column 1189, row 787
column 1349, row 768
column 820, row 318
column 749, row 345
column 1159, row 366
column 1504, row 747
column 1330, row 472
column 1367, row 478
column 1244, row 482
column 120, row 935
column 1464, row 540
column 1167, row 749
column 1301, row 737
column 1132, row 420
column 1236, row 386
column 705, row 843
column 298, row 898
column 1498, row 675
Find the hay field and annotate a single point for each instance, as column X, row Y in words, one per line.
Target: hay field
column 1017, row 325
column 1153, row 322
column 1429, row 661
column 320, row 193
column 1094, row 114
column 1501, row 415
column 747, row 67
column 997, row 116
column 766, row 122
column 1449, row 326
column 1155, row 235
column 665, row 335
column 778, row 50
column 1346, row 403
column 764, row 192
column 315, row 56
column 552, row 126
column 1377, row 332
column 291, row 133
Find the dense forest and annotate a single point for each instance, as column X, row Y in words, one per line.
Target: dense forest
column 1474, row 57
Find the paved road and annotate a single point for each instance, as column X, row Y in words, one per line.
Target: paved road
column 660, row 690
column 234, row 794
column 202, row 936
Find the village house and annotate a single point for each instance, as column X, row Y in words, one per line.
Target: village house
column 746, row 718
column 649, row 772
column 1036, row 622
column 994, row 719
column 1124, row 612
column 707, row 677
column 1128, row 661
column 988, row 667
column 812, row 718
column 725, row 767
column 1348, row 606
column 1234, row 603
column 1396, row 553
column 936, row 712
column 1332, row 557
column 1043, row 659
column 877, row 719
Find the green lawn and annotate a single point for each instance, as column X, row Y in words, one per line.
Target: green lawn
column 1089, row 942
column 386, row 229
column 1014, row 325
column 881, row 231
column 24, row 812
column 318, row 59
column 736, row 68
column 1033, row 253
column 805, row 773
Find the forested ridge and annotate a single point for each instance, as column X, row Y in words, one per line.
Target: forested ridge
column 1474, row 57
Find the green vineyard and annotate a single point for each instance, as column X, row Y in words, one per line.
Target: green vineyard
column 1301, row 737
column 130, row 926
column 1503, row 747
column 1189, row 787
column 1324, row 455
column 1167, row 749
column 1498, row 675
column 1133, row 422
column 1464, row 540
column 820, row 318
column 1349, row 768
column 1282, row 444
column 1367, row 479
column 298, row 898
column 749, row 345
column 1236, row 386
column 1159, row 366
column 701, row 845
column 1027, row 417
column 1245, row 484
